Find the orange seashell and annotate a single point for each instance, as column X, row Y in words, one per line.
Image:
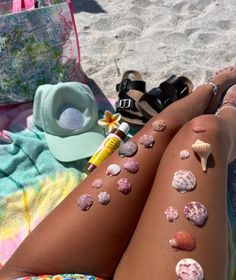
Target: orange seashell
column 183, row 240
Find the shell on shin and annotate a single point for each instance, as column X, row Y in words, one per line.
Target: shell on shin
column 131, row 165
column 124, row 186
column 199, row 129
column 85, row 201
column 183, row 181
column 159, row 125
column 183, row 240
column 171, row 214
column 104, row 198
column 196, row 213
column 147, row 140
column 189, row 269
column 203, row 150
column 184, row 154
column 113, row 170
column 97, row 183
column 128, row 149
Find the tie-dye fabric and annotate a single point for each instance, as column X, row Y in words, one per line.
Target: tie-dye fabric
column 62, row 277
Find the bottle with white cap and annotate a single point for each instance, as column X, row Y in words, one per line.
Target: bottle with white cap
column 109, row 145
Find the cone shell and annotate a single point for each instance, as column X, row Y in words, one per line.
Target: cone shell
column 203, row 150
column 183, row 240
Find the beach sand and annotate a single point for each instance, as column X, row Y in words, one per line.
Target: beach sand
column 158, row 38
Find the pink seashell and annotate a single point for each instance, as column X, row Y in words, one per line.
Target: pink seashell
column 104, row 198
column 199, row 129
column 128, row 149
column 184, row 154
column 159, row 125
column 97, row 183
column 183, row 240
column 171, row 214
column 196, row 213
column 189, row 269
column 131, row 165
column 4, row 138
column 124, row 186
column 147, row 140
column 85, row 201
column 113, row 170
column 183, row 181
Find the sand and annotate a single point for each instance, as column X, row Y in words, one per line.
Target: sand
column 158, row 38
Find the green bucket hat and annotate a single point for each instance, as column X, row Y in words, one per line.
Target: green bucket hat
column 68, row 114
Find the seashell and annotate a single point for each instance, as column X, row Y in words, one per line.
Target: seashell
column 203, row 150
column 196, row 213
column 85, row 201
column 128, row 149
column 159, row 125
column 113, row 170
column 183, row 181
column 184, row 154
column 171, row 214
column 199, row 129
column 147, row 140
column 97, row 183
column 104, row 198
column 189, row 269
column 183, row 240
column 4, row 138
column 131, row 165
column 124, row 186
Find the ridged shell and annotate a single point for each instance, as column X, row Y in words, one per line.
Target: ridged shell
column 183, row 240
column 171, row 214
column 113, row 170
column 85, row 201
column 199, row 129
column 203, row 150
column 97, row 183
column 183, row 181
column 147, row 140
column 196, row 213
column 189, row 269
column 184, row 154
column 131, row 165
column 104, row 198
column 128, row 149
column 159, row 125
column 124, row 186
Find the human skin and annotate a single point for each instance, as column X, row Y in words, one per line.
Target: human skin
column 69, row 240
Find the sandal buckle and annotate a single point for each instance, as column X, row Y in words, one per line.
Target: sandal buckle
column 125, row 103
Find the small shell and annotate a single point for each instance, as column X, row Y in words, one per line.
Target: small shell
column 159, row 125
column 97, row 183
column 184, row 154
column 128, row 149
column 85, row 201
column 171, row 214
column 196, row 213
column 183, row 181
column 189, row 269
column 199, row 129
column 131, row 165
column 113, row 170
column 147, row 140
column 203, row 150
column 124, row 186
column 183, row 240
column 104, row 198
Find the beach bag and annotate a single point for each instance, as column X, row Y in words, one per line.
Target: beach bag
column 37, row 46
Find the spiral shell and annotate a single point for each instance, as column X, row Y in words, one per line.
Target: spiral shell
column 189, row 269
column 203, row 150
column 196, row 213
column 171, row 214
column 183, row 240
column 184, row 154
column 131, row 165
column 113, row 170
column 147, row 140
column 104, row 198
column 97, row 183
column 183, row 181
column 128, row 149
column 159, row 125
column 124, row 186
column 85, row 201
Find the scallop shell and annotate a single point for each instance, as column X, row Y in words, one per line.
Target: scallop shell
column 184, row 154
column 147, row 140
column 203, row 150
column 97, row 183
column 171, row 214
column 124, row 186
column 199, row 129
column 183, row 240
column 183, row 181
column 128, row 149
column 85, row 201
column 159, row 125
column 113, row 170
column 104, row 198
column 189, row 269
column 196, row 213
column 131, row 165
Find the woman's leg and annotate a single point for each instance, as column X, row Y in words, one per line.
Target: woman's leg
column 93, row 241
column 149, row 254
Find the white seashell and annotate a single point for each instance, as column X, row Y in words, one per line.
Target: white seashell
column 183, row 181
column 184, row 154
column 203, row 150
column 189, row 269
column 104, row 198
column 113, row 170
